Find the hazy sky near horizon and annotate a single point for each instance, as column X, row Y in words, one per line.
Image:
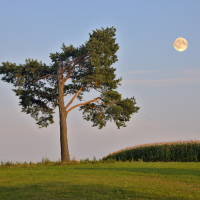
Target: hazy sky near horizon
column 164, row 82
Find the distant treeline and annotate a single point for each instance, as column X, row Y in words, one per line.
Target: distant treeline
column 181, row 151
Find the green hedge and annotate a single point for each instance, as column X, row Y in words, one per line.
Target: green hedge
column 188, row 151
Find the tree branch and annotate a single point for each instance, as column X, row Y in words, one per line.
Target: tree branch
column 74, row 97
column 83, row 104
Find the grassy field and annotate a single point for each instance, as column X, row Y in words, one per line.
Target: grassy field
column 122, row 180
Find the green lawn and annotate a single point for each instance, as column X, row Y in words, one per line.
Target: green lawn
column 129, row 180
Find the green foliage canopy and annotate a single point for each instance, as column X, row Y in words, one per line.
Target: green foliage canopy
column 88, row 67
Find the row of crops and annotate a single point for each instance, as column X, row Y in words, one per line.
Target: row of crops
column 188, row 151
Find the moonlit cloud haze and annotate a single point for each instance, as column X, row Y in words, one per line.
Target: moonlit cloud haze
column 182, row 77
column 165, row 82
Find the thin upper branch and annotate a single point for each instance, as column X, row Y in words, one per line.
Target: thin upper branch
column 43, row 77
column 68, row 76
column 45, row 95
column 77, row 61
column 69, row 64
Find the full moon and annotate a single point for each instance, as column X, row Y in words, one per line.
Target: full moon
column 180, row 44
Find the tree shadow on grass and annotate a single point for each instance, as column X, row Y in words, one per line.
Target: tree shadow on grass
column 161, row 171
column 59, row 190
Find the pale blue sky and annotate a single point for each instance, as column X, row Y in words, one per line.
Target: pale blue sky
column 165, row 82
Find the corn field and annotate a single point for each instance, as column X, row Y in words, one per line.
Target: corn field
column 180, row 151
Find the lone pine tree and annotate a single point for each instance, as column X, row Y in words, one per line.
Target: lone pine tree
column 42, row 88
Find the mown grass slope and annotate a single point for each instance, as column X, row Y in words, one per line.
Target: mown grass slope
column 122, row 180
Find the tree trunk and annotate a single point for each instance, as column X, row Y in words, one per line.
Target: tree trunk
column 63, row 117
column 63, row 136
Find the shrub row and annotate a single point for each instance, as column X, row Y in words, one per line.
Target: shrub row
column 46, row 162
column 188, row 151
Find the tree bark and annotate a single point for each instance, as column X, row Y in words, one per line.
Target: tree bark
column 63, row 117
